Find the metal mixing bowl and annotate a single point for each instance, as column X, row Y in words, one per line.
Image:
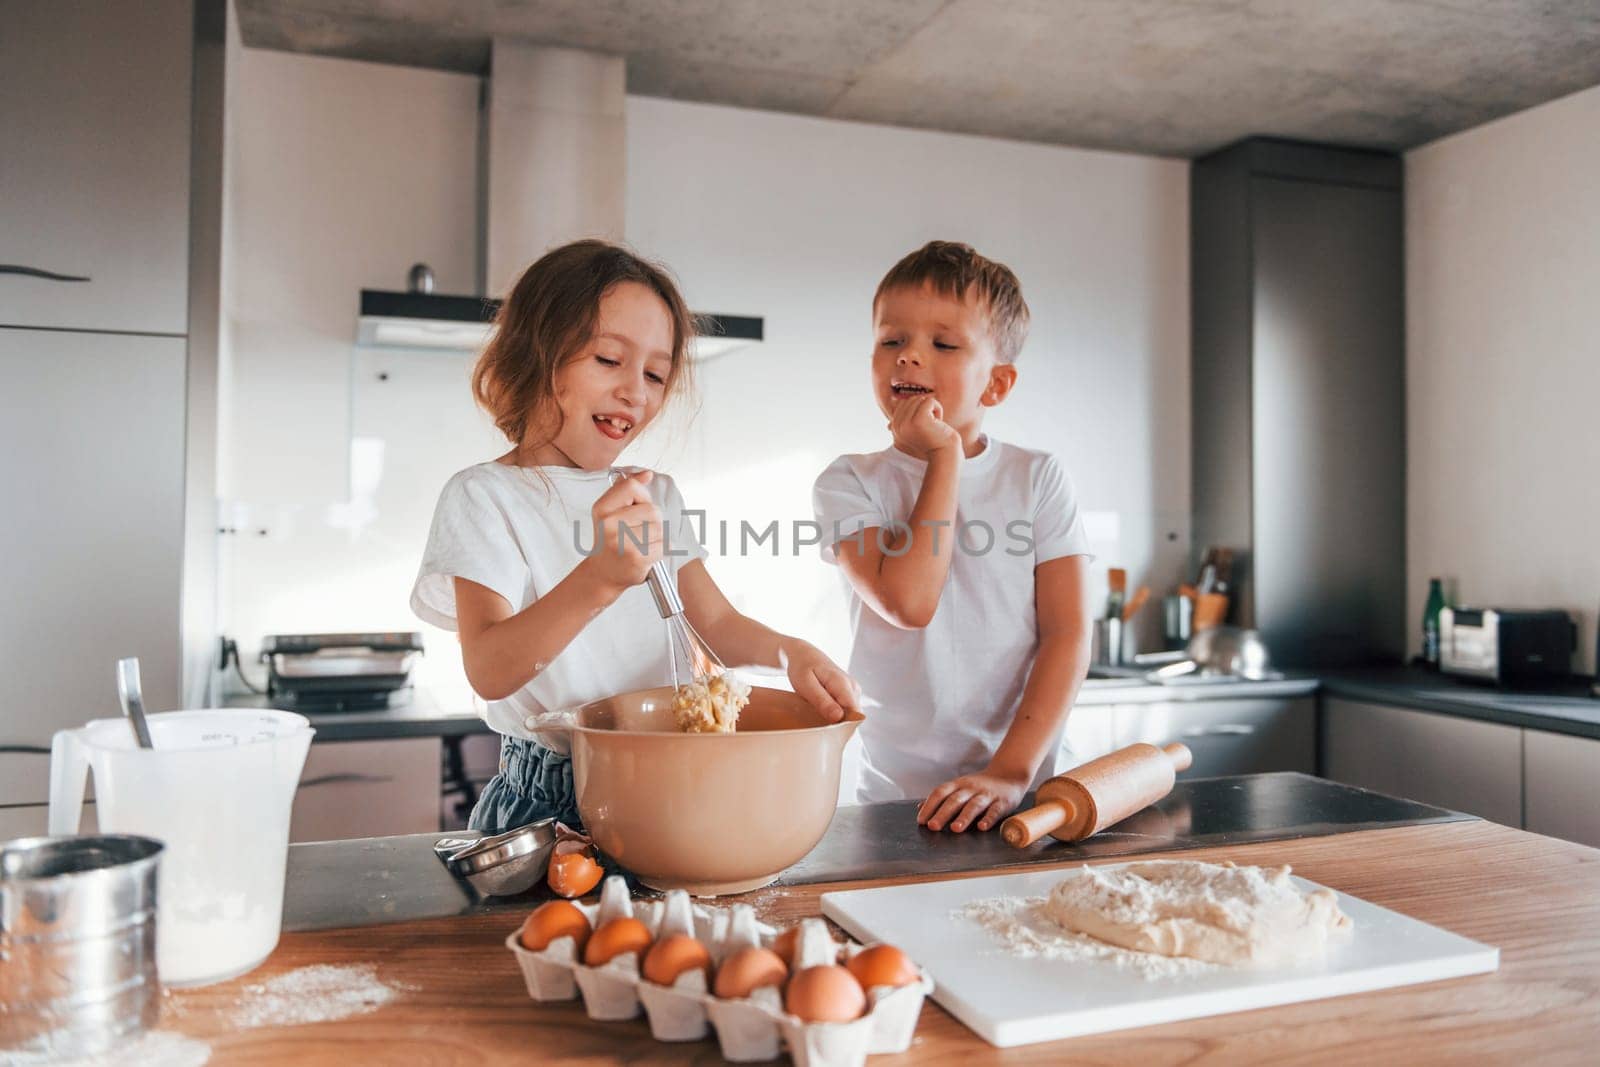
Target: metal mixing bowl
column 505, row 864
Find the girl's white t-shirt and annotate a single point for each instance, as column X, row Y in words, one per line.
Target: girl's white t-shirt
column 939, row 700
column 509, row 531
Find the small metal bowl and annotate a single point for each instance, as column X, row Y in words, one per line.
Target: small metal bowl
column 505, row 864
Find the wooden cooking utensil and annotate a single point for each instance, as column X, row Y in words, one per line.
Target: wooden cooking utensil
column 1135, row 602
column 1116, row 589
column 1102, row 792
column 1210, row 609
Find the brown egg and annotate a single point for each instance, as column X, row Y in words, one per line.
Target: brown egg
column 827, row 994
column 674, row 954
column 747, row 970
column 784, row 945
column 572, row 871
column 615, row 938
column 552, row 920
column 882, row 965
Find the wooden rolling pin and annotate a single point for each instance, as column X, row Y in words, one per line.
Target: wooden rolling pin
column 1104, row 791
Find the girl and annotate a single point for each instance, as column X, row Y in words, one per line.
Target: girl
column 587, row 348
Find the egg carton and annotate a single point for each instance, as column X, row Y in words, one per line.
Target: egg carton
column 749, row 1030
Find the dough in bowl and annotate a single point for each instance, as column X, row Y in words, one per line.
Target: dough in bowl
column 710, row 705
column 1237, row 916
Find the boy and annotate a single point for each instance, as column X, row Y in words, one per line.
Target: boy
column 965, row 557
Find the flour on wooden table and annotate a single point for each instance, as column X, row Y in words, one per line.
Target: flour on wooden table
column 320, row 993
column 153, row 1048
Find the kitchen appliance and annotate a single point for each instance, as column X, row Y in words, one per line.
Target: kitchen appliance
column 78, row 942
column 339, row 671
column 1505, row 647
column 216, row 790
column 1010, row 1000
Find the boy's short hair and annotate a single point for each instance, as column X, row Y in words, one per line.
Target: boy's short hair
column 955, row 269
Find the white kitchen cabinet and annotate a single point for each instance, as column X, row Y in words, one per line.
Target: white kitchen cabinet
column 95, row 124
column 1562, row 786
column 1464, row 764
column 92, row 479
column 1233, row 735
column 367, row 789
column 1091, row 731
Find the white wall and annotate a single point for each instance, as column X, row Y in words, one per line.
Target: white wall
column 796, row 220
column 348, row 172
column 342, row 175
column 1503, row 363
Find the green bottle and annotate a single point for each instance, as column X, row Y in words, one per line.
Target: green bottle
column 1430, row 622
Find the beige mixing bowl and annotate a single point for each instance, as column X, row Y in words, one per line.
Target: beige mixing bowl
column 710, row 813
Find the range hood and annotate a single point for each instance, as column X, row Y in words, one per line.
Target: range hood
column 418, row 320
column 551, row 160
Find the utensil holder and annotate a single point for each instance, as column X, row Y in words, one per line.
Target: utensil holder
column 1109, row 644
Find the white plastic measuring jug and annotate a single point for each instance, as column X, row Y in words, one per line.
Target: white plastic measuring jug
column 217, row 789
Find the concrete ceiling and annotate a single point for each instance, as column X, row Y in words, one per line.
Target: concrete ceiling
column 1164, row 77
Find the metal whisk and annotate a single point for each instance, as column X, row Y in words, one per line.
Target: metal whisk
column 682, row 640
column 683, row 643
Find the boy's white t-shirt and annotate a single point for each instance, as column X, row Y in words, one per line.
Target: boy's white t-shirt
column 507, row 530
column 938, row 700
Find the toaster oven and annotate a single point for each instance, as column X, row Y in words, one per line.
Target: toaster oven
column 1506, row 647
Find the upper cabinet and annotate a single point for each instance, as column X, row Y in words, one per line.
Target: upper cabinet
column 95, row 164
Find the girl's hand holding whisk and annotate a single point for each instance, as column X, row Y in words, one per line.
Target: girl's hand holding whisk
column 629, row 535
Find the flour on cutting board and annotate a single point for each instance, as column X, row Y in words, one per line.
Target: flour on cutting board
column 1022, row 927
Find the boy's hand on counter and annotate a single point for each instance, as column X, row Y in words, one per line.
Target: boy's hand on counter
column 820, row 680
column 918, row 427
column 628, row 535
column 984, row 798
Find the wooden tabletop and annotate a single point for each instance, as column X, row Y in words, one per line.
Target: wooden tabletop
column 1535, row 898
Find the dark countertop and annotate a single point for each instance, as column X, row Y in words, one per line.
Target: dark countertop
column 411, row 713
column 391, row 879
column 1565, row 708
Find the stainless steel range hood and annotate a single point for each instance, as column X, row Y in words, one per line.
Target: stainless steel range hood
column 552, row 120
column 464, row 323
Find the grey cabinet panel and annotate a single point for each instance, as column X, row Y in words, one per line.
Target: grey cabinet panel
column 91, row 472
column 94, row 169
column 1091, row 732
column 1248, row 736
column 367, row 789
column 1462, row 764
column 1561, row 778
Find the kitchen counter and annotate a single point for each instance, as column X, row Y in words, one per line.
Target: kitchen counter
column 1564, row 708
column 411, row 713
column 462, row 999
column 387, row 879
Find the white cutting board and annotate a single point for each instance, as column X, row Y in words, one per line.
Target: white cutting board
column 1008, row 1000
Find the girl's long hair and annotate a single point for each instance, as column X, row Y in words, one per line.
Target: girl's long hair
column 551, row 311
